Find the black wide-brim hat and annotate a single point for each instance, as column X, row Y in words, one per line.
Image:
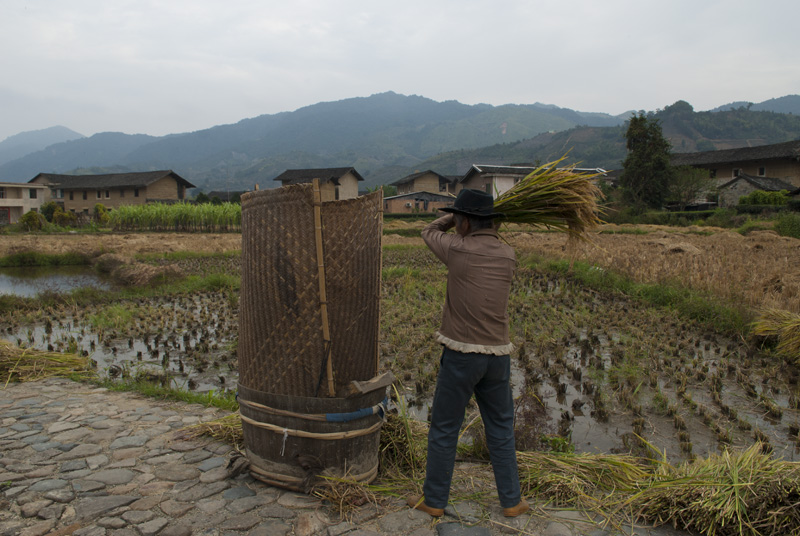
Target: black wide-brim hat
column 475, row 204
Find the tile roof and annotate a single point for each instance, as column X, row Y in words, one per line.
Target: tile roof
column 410, row 178
column 789, row 149
column 497, row 170
column 297, row 176
column 111, row 180
column 768, row 184
column 423, row 196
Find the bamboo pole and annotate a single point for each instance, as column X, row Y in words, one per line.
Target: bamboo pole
column 380, row 270
column 323, row 296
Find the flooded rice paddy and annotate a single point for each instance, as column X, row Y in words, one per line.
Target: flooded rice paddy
column 604, row 372
column 32, row 280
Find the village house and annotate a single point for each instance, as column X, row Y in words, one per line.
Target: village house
column 80, row 193
column 493, row 179
column 416, row 202
column 777, row 161
column 743, row 184
column 334, row 183
column 426, row 181
column 496, row 180
column 18, row 198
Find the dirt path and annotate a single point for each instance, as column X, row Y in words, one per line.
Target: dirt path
column 128, row 244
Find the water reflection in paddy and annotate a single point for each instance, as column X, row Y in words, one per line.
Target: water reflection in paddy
column 30, row 281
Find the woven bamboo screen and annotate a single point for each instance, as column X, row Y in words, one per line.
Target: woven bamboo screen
column 282, row 349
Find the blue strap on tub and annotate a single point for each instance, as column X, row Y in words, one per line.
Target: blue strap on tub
column 359, row 413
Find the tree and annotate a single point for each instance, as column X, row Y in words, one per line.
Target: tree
column 688, row 184
column 48, row 209
column 201, row 198
column 646, row 172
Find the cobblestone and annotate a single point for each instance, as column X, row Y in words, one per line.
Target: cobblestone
column 90, row 462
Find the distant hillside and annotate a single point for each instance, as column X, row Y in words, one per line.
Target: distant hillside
column 604, row 147
column 101, row 150
column 387, row 136
column 790, row 104
column 24, row 143
column 372, row 133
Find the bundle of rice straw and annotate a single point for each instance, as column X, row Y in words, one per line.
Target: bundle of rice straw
column 583, row 480
column 227, row 429
column 783, row 325
column 734, row 493
column 554, row 197
column 28, row 364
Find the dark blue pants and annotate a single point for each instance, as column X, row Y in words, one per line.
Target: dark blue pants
column 461, row 375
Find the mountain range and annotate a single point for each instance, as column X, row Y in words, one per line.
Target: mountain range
column 387, row 136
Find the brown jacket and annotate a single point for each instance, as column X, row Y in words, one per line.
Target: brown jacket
column 479, row 272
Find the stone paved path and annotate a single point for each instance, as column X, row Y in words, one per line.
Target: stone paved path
column 80, row 460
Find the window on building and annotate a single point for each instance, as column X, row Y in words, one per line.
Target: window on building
column 762, row 171
column 84, row 195
column 122, row 193
column 99, row 194
column 32, row 193
column 108, row 194
column 488, row 187
column 336, row 193
column 71, row 196
column 136, row 192
column 736, row 172
column 2, row 192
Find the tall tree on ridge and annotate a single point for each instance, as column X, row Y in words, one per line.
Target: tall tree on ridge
column 646, row 171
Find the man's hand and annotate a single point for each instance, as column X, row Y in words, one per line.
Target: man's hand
column 448, row 222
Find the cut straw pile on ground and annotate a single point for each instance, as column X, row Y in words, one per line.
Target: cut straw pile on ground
column 743, row 492
column 26, row 364
column 554, row 198
column 784, row 326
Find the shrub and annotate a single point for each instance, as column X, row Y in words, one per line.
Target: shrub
column 764, row 210
column 752, row 225
column 32, row 221
column 788, row 224
column 722, row 217
column 100, row 214
column 760, row 197
column 64, row 219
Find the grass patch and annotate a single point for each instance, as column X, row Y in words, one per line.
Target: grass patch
column 414, row 233
column 752, row 225
column 686, row 302
column 32, row 258
column 174, row 256
column 115, row 316
column 219, row 399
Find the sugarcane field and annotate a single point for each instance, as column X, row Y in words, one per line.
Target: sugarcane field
column 655, row 368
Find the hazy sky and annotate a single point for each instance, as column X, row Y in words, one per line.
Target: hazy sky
column 160, row 67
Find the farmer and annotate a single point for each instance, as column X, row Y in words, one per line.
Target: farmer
column 475, row 358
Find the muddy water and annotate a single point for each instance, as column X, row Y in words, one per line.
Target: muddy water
column 185, row 342
column 608, row 374
column 30, row 281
